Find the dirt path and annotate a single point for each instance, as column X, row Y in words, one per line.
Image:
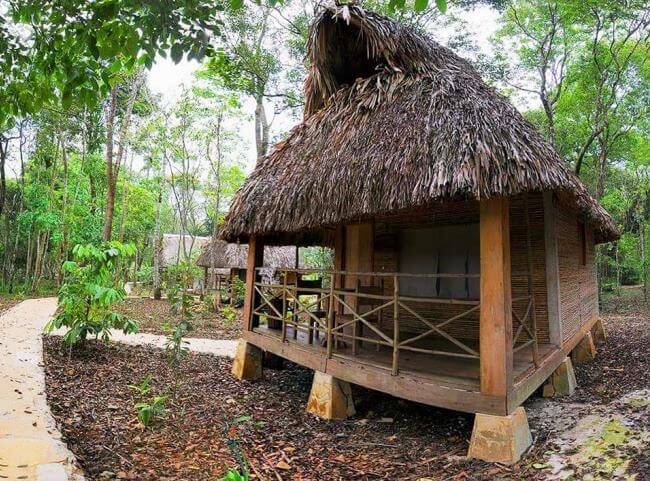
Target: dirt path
column 30, row 443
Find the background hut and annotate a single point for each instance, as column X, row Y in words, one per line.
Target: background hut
column 223, row 262
column 464, row 247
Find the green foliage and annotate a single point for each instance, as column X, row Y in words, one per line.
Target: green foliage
column 63, row 50
column 89, row 291
column 143, row 387
column 239, row 290
column 233, row 475
column 229, row 313
column 153, row 410
column 236, row 450
column 176, row 345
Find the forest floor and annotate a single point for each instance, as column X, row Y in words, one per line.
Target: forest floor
column 601, row 432
column 153, row 315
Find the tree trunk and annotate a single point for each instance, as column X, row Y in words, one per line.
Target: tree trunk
column 261, row 128
column 110, row 177
column 156, row 244
column 113, row 168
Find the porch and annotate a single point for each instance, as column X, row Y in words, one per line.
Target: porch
column 426, row 349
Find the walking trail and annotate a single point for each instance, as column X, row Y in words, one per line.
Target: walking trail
column 30, row 443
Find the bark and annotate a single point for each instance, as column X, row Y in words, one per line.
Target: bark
column 113, row 165
column 156, row 246
column 110, row 191
column 261, row 128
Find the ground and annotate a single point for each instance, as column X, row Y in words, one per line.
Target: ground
column 152, row 315
column 601, row 432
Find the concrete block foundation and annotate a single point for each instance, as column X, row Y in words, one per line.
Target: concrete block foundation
column 330, row 398
column 500, row 439
column 247, row 364
column 562, row 382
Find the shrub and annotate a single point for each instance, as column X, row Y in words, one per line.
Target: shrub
column 148, row 412
column 89, row 291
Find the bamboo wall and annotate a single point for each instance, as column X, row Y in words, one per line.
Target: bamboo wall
column 386, row 259
column 577, row 268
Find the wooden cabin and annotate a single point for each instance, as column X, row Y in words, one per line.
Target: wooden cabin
column 464, row 248
column 223, row 262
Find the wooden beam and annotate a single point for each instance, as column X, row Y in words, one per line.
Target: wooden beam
column 496, row 298
column 552, row 270
column 255, row 259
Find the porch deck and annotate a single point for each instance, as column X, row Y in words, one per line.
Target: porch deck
column 461, row 371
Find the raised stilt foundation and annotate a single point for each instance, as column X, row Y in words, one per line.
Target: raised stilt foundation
column 330, row 398
column 585, row 350
column 272, row 361
column 562, row 382
column 247, row 363
column 598, row 332
column 500, row 439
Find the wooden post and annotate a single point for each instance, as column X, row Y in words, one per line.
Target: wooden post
column 531, row 291
column 395, row 325
column 496, row 298
column 284, row 306
column 330, row 317
column 255, row 259
column 552, row 270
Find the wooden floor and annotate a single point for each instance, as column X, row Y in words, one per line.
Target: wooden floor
column 462, row 371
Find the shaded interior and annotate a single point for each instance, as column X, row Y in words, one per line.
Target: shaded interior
column 347, row 51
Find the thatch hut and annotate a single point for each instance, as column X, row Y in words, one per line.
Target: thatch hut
column 223, row 262
column 464, row 248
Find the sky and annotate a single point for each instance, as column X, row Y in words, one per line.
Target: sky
column 167, row 78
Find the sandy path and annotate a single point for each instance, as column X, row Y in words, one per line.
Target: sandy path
column 217, row 347
column 30, row 443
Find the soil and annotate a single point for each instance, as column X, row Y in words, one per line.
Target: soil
column 388, row 438
column 152, row 316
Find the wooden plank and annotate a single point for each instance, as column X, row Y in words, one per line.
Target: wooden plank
column 255, row 259
column 424, row 389
column 552, row 270
column 496, row 299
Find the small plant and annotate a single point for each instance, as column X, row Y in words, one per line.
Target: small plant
column 89, row 292
column 234, row 445
column 233, row 475
column 229, row 313
column 239, row 290
column 149, row 411
column 143, row 388
column 176, row 345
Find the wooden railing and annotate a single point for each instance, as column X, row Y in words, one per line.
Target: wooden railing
column 329, row 310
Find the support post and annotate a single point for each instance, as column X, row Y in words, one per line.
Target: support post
column 562, row 382
column 496, row 299
column 255, row 259
column 552, row 270
column 330, row 398
column 500, row 439
column 598, row 332
column 584, row 351
column 247, row 363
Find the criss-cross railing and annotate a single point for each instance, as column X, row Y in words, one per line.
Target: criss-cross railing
column 333, row 314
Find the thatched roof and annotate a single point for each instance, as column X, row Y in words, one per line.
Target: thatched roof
column 394, row 120
column 172, row 247
column 220, row 254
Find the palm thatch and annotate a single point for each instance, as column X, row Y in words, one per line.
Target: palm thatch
column 175, row 246
column 393, row 121
column 219, row 254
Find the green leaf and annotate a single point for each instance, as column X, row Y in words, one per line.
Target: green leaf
column 236, row 4
column 177, row 52
column 421, row 5
column 442, row 5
